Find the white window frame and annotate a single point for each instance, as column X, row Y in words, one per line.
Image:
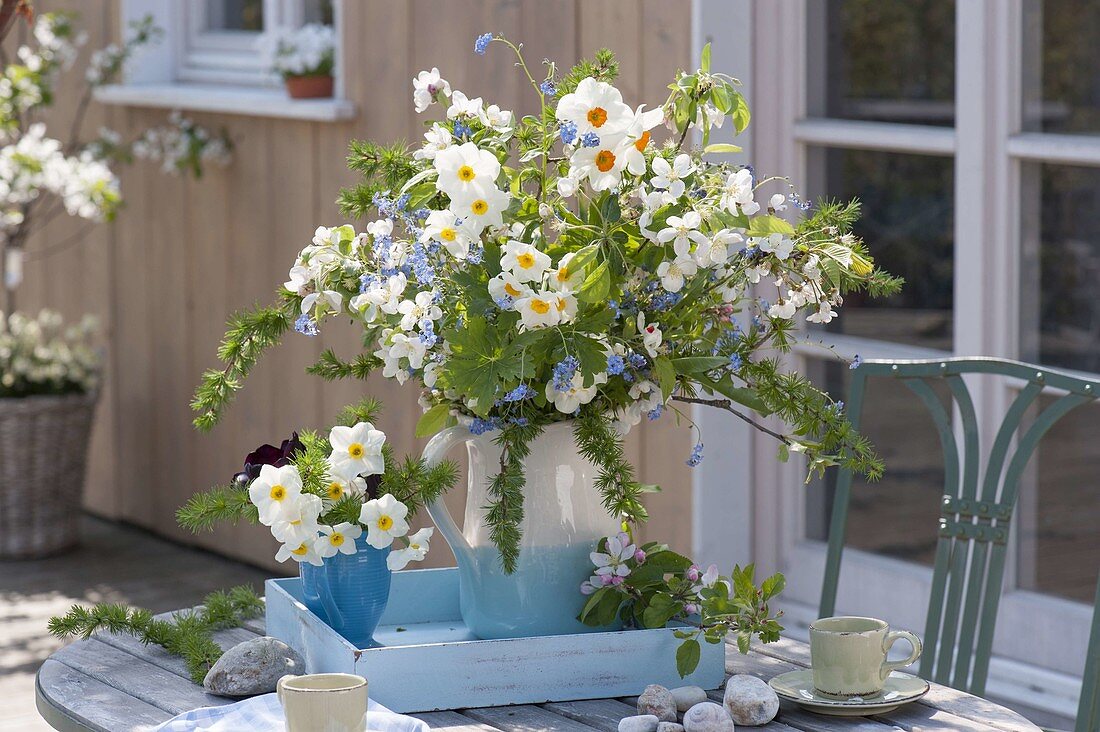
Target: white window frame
column 1040, row 661
column 218, row 71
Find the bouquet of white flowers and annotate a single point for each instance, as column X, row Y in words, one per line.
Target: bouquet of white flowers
column 40, row 355
column 306, row 51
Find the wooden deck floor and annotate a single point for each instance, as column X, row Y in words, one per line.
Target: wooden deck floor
column 115, row 564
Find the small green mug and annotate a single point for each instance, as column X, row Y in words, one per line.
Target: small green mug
column 848, row 655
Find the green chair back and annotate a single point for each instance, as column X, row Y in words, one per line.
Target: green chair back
column 1088, row 709
column 975, row 516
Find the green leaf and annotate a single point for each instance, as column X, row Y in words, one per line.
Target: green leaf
column 610, row 210
column 584, row 256
column 722, row 147
column 773, row 586
column 767, row 224
column 596, row 286
column 661, row 609
column 691, row 365
column 434, row 420
column 740, row 113
column 744, row 639
column 740, row 394
column 666, row 375
column 687, row 657
column 704, row 62
column 480, row 364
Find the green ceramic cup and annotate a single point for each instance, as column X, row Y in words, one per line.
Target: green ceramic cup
column 848, row 655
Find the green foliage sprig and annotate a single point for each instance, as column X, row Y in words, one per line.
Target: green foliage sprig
column 505, row 509
column 383, row 167
column 597, row 440
column 187, row 634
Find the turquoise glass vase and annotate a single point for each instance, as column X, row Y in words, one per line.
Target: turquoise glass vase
column 349, row 591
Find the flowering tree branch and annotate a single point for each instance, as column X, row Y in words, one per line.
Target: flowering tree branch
column 727, row 405
column 9, row 11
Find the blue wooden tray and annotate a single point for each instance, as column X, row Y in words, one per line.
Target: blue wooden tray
column 428, row 660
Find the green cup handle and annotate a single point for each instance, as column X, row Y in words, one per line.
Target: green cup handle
column 888, row 642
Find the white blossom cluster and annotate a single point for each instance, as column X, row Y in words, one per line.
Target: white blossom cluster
column 181, row 145
column 306, row 51
column 35, row 163
column 27, row 83
column 40, row 355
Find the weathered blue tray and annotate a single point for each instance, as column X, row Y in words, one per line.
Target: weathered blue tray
column 428, row 659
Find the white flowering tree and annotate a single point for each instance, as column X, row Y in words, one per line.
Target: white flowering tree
column 43, row 176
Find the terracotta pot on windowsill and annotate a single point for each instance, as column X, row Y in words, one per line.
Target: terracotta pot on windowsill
column 309, row 87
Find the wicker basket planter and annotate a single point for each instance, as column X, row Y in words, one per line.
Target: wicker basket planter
column 43, row 453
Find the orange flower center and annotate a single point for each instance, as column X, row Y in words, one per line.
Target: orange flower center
column 540, row 306
column 605, row 160
column 597, row 116
column 642, row 141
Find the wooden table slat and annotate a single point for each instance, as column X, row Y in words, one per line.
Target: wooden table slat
column 165, row 660
column 603, row 714
column 71, row 700
column 452, row 722
column 526, row 718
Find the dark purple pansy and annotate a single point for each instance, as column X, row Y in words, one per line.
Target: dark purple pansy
column 268, row 455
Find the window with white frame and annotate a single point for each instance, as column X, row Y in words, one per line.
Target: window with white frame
column 970, row 131
column 219, row 41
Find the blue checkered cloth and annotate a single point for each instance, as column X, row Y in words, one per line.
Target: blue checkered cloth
column 265, row 713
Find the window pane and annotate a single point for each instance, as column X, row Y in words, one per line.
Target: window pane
column 897, row 516
column 1059, row 545
column 886, row 60
column 317, row 11
column 908, row 225
column 1061, row 63
column 235, row 15
column 1060, row 316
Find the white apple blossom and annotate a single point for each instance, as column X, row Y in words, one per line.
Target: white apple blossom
column 420, row 308
column 436, row 140
column 651, row 335
column 776, row 244
column 673, row 273
column 426, row 87
column 682, row 230
column 576, row 395
column 737, row 193
column 824, row 314
column 671, row 177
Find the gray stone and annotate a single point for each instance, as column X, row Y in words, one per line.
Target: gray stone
column 707, row 717
column 658, row 701
column 253, row 667
column 670, row 727
column 640, row 723
column 688, row 696
column 750, row 701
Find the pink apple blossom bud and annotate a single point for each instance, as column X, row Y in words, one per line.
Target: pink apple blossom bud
column 691, row 608
column 607, row 579
column 617, row 580
column 639, row 556
column 693, row 573
column 587, row 588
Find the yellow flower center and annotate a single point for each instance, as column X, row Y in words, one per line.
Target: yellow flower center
column 448, row 234
column 479, row 207
column 336, row 539
column 296, row 522
column 355, row 450
column 561, row 304
column 385, row 522
column 335, row 490
column 278, row 493
column 597, row 116
column 526, row 260
column 414, row 546
column 466, row 173
column 563, row 273
column 605, row 160
column 642, row 141
column 302, row 549
column 540, row 306
column 511, row 290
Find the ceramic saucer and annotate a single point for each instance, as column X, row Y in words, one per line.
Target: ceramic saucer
column 798, row 687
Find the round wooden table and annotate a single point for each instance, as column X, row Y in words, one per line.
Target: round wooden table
column 113, row 683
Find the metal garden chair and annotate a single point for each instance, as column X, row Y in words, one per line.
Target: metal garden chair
column 975, row 517
column 1088, row 709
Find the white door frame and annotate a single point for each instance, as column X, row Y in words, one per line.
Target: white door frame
column 762, row 504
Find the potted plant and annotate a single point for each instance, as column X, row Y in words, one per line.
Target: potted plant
column 305, row 57
column 549, row 281
column 336, row 504
column 49, row 375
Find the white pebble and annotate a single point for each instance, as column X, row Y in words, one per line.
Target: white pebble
column 688, row 696
column 640, row 723
column 750, row 701
column 707, row 717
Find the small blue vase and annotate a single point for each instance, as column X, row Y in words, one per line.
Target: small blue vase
column 349, row 592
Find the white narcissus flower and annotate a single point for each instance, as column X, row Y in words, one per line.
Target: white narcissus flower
column 463, row 106
column 524, row 261
column 338, row 487
column 437, row 139
column 566, row 305
column 505, row 285
column 595, row 106
column 496, row 118
column 466, row 172
column 651, row 335
column 639, row 137
column 737, row 193
column 305, row 551
column 602, row 165
column 486, row 211
column 539, row 310
column 385, row 520
column 414, row 552
column 576, row 395
column 453, row 233
column 297, row 521
column 339, row 538
column 420, row 308
column 426, row 86
column 357, row 450
column 275, row 491
column 670, row 177
column 564, row 278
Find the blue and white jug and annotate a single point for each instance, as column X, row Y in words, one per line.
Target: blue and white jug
column 563, row 519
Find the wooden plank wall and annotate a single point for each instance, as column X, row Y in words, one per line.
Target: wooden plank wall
column 183, row 254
